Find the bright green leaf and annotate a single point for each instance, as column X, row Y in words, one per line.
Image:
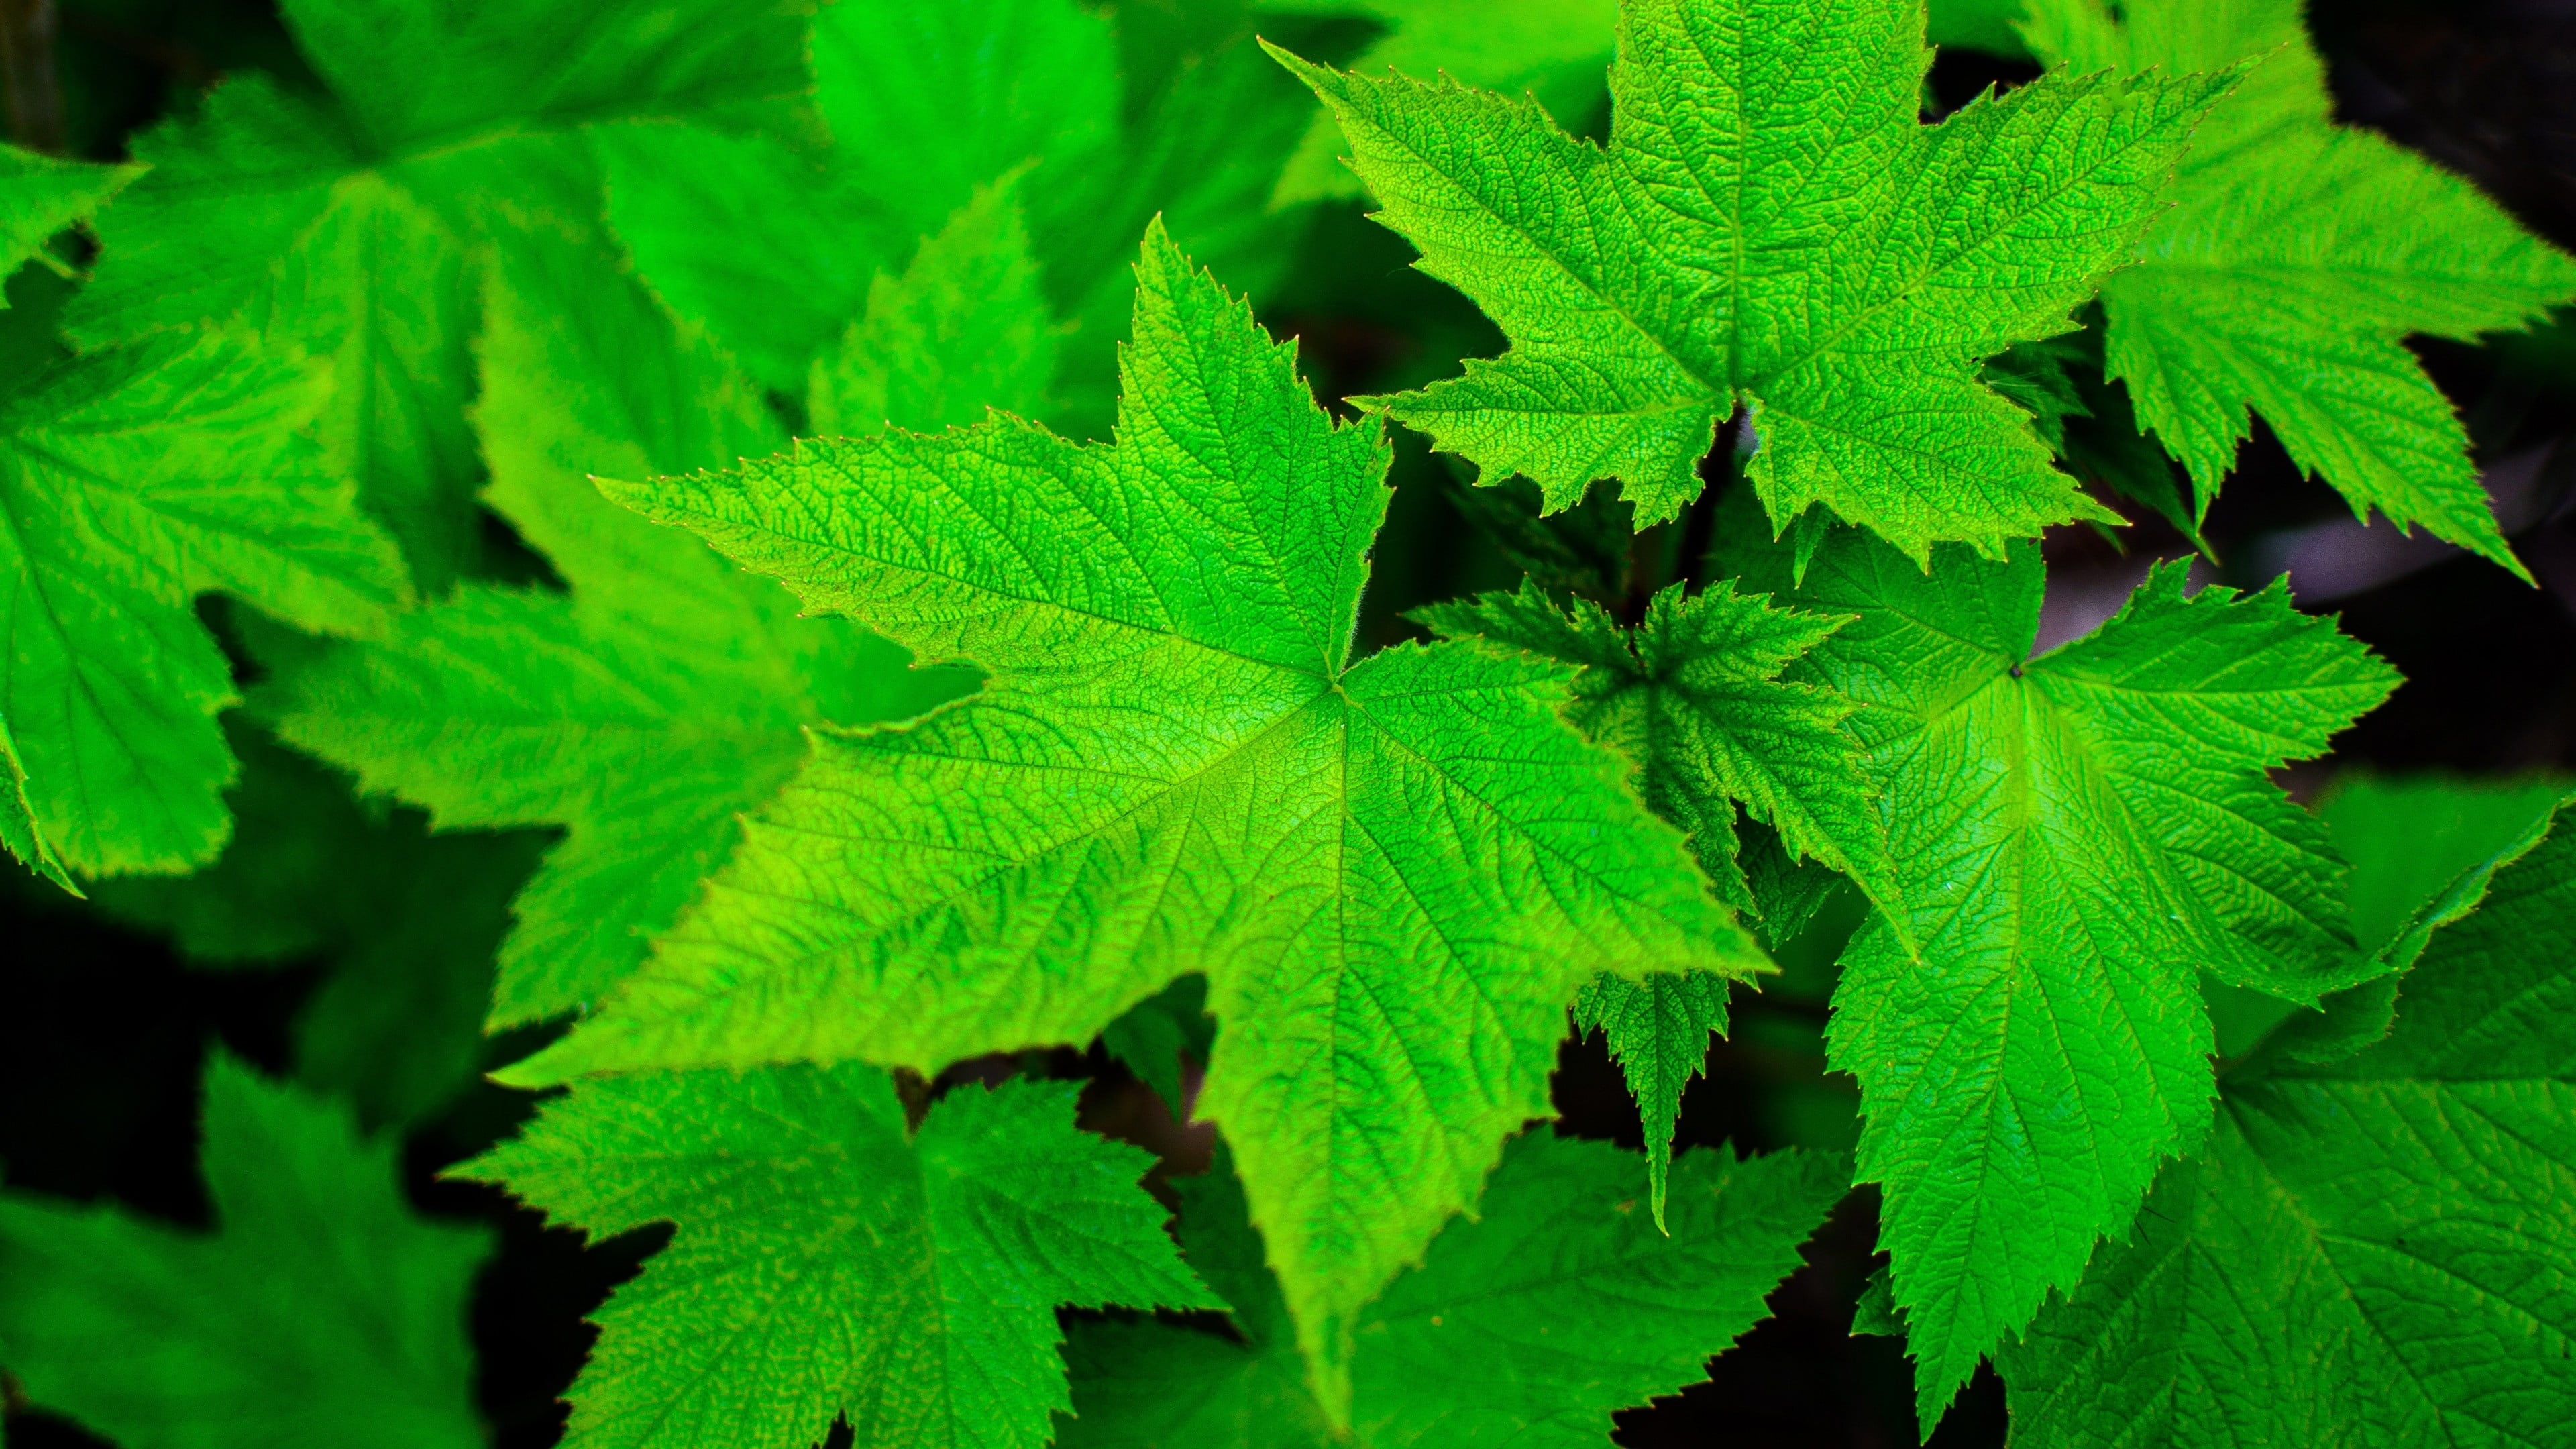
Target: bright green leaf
column 1394, row 872
column 2378, row 1252
column 1771, row 225
column 2075, row 838
column 133, row 479
column 825, row 1263
column 1693, row 698
column 1529, row 1326
column 320, row 1313
column 650, row 707
column 2296, row 257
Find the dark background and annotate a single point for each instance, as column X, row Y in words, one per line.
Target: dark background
column 103, row 1028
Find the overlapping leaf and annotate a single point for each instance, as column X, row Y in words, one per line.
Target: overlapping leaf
column 1692, row 696
column 1530, row 1326
column 827, row 1264
column 343, row 227
column 320, row 1312
column 2075, row 837
column 1769, row 225
column 773, row 249
column 131, row 480
column 2296, row 257
column 1394, row 872
column 2374, row 1251
column 647, row 708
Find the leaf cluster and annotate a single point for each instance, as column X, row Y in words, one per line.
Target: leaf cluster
column 762, row 569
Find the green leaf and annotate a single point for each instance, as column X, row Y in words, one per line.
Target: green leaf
column 826, row 1264
column 2372, row 1252
column 40, row 196
column 1658, row 1029
column 965, row 328
column 773, row 250
column 2075, row 838
column 2296, row 257
column 650, row 707
column 1394, row 872
column 1769, row 225
column 2424, row 854
column 1693, row 696
column 346, row 228
column 1558, row 1305
column 2411, row 841
column 320, row 1312
column 133, row 479
column 1554, row 49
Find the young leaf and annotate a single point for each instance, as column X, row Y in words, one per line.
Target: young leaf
column 134, row 479
column 1554, row 49
column 1693, row 697
column 1658, row 1029
column 1394, row 872
column 39, row 196
column 647, row 710
column 2296, row 257
column 827, row 1264
column 2075, row 838
column 321, row 1311
column 1768, row 224
column 1530, row 1325
column 344, row 228
column 2371, row 1252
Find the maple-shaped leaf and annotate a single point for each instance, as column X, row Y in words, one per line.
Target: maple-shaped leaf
column 1769, row 225
column 134, row 479
column 826, row 1263
column 2373, row 1251
column 2296, row 257
column 1393, row 871
column 773, row 248
column 645, row 709
column 40, row 195
column 2076, row 837
column 320, row 1312
column 1557, row 1306
column 346, row 226
column 1554, row 49
column 1692, row 696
